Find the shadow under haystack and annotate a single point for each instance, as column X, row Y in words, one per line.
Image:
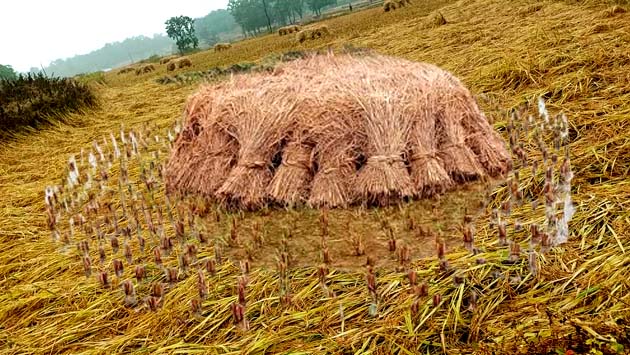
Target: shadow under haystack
column 333, row 130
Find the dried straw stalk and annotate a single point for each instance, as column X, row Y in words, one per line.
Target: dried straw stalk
column 334, row 128
column 217, row 152
column 427, row 168
column 459, row 160
column 480, row 137
column 291, row 184
column 332, row 184
column 257, row 117
column 484, row 141
column 384, row 178
column 183, row 162
column 204, row 153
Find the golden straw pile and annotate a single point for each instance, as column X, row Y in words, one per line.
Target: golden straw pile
column 332, row 131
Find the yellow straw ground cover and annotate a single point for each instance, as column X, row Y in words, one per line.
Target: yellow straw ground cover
column 439, row 298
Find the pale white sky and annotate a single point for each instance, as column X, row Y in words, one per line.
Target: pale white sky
column 34, row 32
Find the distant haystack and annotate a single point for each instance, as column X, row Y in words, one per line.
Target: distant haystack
column 435, row 20
column 320, row 31
column 615, row 10
column 147, row 68
column 389, row 5
column 282, row 31
column 184, row 62
column 312, row 33
column 302, row 35
column 126, row 70
column 222, row 47
column 166, row 60
column 333, row 131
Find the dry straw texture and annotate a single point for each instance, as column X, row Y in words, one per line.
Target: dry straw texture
column 361, row 125
column 573, row 296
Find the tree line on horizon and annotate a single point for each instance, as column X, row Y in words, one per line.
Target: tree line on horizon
column 256, row 16
column 241, row 17
column 209, row 29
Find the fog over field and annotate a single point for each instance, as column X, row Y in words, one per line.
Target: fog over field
column 41, row 33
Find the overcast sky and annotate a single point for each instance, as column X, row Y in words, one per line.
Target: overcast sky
column 34, row 32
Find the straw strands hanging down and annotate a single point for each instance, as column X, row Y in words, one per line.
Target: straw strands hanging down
column 333, row 130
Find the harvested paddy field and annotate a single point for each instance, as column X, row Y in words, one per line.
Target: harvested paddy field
column 472, row 270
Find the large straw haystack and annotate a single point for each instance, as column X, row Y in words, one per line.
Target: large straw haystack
column 126, row 70
column 333, row 130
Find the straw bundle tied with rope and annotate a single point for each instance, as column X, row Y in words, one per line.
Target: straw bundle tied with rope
column 291, row 183
column 217, row 157
column 183, row 162
column 205, row 152
column 487, row 144
column 384, row 174
column 334, row 127
column 459, row 161
column 427, row 169
column 345, row 128
column 257, row 117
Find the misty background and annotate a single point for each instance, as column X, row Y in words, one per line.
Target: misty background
column 241, row 18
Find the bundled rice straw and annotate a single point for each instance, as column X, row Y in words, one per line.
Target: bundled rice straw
column 427, row 171
column 336, row 154
column 386, row 124
column 487, row 145
column 204, row 153
column 183, row 162
column 459, row 160
column 330, row 120
column 291, row 183
column 335, row 176
column 413, row 124
column 257, row 117
column 330, row 116
column 217, row 153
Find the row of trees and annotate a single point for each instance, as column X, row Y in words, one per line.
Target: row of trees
column 217, row 23
column 256, row 15
column 187, row 33
column 249, row 16
column 111, row 55
column 7, row 73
